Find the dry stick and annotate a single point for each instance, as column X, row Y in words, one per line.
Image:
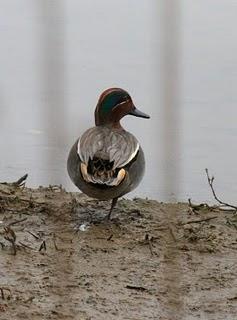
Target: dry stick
column 149, row 240
column 43, row 246
column 11, row 197
column 150, row 247
column 21, row 181
column 30, row 201
column 11, row 237
column 2, row 294
column 198, row 221
column 210, row 182
column 55, row 245
column 138, row 288
column 15, row 222
column 54, row 242
column 10, row 234
column 200, row 206
column 2, row 289
column 197, row 207
column 110, row 237
column 4, row 191
column 25, row 246
column 34, row 235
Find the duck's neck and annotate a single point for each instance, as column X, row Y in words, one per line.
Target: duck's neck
column 110, row 125
column 116, row 125
column 105, row 121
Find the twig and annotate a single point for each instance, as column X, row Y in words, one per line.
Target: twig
column 149, row 239
column 25, row 246
column 17, row 221
column 200, row 206
column 42, row 246
column 231, row 223
column 204, row 206
column 2, row 289
column 4, row 191
column 110, row 237
column 13, row 198
column 34, row 235
column 210, row 182
column 11, row 237
column 55, row 245
column 2, row 294
column 21, row 182
column 22, row 210
column 54, row 242
column 138, row 288
column 198, row 221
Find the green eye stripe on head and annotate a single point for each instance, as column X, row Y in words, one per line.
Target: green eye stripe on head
column 112, row 100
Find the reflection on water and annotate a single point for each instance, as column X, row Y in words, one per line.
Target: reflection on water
column 58, row 56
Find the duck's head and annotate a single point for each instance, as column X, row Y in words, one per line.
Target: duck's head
column 113, row 105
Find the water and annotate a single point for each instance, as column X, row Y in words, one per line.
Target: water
column 177, row 60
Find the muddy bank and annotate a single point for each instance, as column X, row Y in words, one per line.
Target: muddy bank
column 59, row 259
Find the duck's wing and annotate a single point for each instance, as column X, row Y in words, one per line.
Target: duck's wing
column 104, row 154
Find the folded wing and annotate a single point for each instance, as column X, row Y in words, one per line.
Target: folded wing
column 104, row 153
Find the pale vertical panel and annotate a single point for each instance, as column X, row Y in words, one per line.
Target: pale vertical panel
column 53, row 86
column 171, row 126
column 170, row 97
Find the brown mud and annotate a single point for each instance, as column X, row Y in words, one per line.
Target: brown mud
column 59, row 259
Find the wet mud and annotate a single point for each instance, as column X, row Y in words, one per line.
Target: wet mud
column 61, row 259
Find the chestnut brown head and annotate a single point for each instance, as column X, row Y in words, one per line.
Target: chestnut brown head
column 113, row 105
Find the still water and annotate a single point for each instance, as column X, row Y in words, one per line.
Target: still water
column 177, row 59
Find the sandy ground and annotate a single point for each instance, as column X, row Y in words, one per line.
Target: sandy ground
column 152, row 261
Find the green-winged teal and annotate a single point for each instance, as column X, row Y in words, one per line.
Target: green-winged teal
column 107, row 161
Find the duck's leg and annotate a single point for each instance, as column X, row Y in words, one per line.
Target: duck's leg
column 114, row 201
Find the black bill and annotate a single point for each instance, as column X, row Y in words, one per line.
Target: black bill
column 137, row 113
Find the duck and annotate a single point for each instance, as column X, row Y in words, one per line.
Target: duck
column 106, row 161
